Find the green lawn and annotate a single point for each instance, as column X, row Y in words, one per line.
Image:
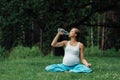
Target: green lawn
column 104, row 68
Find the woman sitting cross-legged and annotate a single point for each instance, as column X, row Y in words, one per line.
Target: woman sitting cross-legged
column 74, row 53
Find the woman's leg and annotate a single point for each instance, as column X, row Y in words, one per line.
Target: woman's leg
column 56, row 68
column 80, row 68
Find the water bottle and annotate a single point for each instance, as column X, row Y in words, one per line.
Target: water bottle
column 63, row 31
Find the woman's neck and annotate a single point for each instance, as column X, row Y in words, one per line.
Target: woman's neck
column 73, row 40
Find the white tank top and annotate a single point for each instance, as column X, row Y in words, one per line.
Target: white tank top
column 72, row 53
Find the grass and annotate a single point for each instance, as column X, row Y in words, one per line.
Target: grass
column 104, row 68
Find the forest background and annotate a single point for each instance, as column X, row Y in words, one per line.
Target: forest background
column 30, row 23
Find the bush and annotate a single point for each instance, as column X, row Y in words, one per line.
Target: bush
column 95, row 51
column 24, row 52
column 111, row 52
column 3, row 52
column 92, row 51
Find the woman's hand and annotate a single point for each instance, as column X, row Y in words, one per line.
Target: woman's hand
column 60, row 33
column 88, row 65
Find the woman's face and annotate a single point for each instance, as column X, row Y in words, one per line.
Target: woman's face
column 72, row 33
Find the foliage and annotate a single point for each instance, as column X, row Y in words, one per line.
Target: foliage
column 22, row 20
column 3, row 52
column 92, row 51
column 111, row 52
column 24, row 52
column 96, row 51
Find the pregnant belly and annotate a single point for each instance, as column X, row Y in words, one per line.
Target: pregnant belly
column 70, row 60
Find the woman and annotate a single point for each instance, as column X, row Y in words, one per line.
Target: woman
column 74, row 52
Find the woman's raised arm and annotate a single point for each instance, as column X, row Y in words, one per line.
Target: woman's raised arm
column 58, row 44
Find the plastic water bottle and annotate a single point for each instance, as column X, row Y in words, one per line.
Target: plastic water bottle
column 63, row 31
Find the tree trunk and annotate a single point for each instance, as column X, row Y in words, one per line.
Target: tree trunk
column 103, row 38
column 99, row 30
column 92, row 37
column 41, row 39
column 23, row 35
column 22, row 28
column 98, row 36
column 32, row 32
column 103, row 33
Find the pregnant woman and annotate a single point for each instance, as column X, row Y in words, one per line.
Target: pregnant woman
column 74, row 54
